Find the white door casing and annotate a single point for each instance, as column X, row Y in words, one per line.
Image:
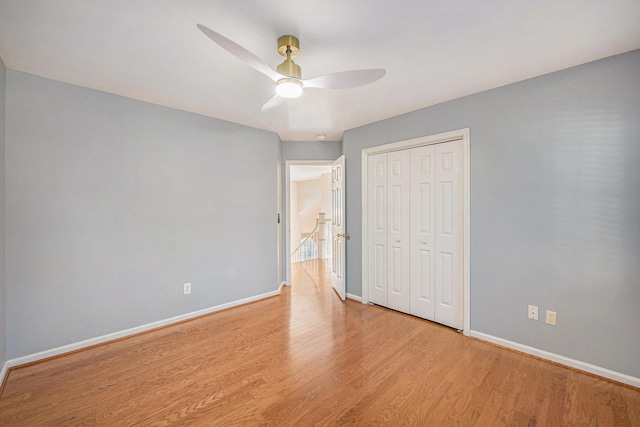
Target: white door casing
column 338, row 233
column 288, row 217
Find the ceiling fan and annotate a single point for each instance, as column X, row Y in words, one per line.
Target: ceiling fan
column 288, row 75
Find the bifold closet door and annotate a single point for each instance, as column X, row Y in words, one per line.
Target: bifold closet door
column 422, row 235
column 399, row 187
column 416, row 226
column 437, row 227
column 377, row 219
column 449, row 234
column 389, row 237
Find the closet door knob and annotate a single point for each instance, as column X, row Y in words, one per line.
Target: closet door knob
column 398, row 240
column 424, row 242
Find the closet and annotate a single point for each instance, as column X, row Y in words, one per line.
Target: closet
column 416, row 231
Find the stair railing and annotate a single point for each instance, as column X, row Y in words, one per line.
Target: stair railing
column 308, row 248
column 314, row 245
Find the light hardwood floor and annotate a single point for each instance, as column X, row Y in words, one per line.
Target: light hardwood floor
column 306, row 358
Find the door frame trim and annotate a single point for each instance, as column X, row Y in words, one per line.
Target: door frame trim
column 287, row 207
column 460, row 134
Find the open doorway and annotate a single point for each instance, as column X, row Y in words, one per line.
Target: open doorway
column 308, row 215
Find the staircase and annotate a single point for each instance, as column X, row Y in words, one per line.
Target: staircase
column 313, row 245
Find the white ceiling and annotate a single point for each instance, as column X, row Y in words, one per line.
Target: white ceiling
column 433, row 51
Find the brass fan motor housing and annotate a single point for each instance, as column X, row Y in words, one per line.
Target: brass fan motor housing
column 289, row 46
column 290, row 68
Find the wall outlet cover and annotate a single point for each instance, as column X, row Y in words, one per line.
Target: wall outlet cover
column 551, row 318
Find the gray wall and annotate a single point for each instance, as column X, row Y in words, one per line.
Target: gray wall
column 3, row 328
column 311, row 150
column 113, row 204
column 555, row 207
column 302, row 150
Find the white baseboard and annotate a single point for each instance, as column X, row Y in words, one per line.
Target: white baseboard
column 576, row 364
column 128, row 332
column 354, row 297
column 3, row 373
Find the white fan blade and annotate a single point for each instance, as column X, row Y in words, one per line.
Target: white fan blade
column 241, row 53
column 272, row 103
column 345, row 79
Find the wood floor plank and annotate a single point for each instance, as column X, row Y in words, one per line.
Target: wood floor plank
column 306, row 358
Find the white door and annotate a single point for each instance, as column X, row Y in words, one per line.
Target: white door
column 398, row 182
column 438, row 220
column 422, row 236
column 449, row 233
column 437, row 233
column 338, row 234
column 416, row 231
column 377, row 220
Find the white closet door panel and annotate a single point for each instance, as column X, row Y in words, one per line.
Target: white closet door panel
column 422, row 272
column 398, row 182
column 378, row 225
column 449, row 238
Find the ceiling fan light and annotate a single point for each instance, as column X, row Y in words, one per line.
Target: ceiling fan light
column 289, row 88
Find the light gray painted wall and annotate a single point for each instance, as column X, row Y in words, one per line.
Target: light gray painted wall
column 555, row 207
column 302, row 150
column 311, row 150
column 113, row 204
column 3, row 328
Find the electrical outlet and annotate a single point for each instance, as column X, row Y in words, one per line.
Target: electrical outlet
column 186, row 288
column 533, row 312
column 551, row 318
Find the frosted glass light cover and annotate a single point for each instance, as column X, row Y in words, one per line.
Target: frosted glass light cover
column 289, row 88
